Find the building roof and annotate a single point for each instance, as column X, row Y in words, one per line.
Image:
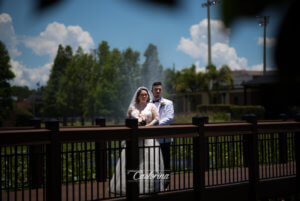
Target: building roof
column 262, row 80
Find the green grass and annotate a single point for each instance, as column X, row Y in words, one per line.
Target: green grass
column 179, row 118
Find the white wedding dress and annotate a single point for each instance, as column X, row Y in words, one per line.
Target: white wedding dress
column 150, row 157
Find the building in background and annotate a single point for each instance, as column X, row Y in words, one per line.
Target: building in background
column 249, row 88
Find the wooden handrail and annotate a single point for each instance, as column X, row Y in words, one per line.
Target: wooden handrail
column 25, row 137
column 72, row 134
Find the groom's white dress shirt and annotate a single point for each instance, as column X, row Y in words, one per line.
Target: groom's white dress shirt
column 166, row 114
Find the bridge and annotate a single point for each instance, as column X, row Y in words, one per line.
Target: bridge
column 241, row 160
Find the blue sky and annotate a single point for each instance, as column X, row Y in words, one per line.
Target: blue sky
column 179, row 34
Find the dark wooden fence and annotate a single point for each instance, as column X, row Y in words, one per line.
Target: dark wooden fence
column 246, row 160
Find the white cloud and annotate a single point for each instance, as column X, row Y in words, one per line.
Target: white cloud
column 56, row 33
column 222, row 53
column 8, row 36
column 258, row 67
column 46, row 43
column 270, row 42
column 196, row 46
column 191, row 48
column 30, row 76
column 199, row 68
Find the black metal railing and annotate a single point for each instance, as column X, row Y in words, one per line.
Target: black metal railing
column 277, row 155
column 21, row 177
column 226, row 161
column 81, row 163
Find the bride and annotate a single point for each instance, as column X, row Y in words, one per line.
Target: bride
column 150, row 156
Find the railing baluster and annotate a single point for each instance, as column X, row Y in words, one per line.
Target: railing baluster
column 253, row 157
column 53, row 163
column 35, row 158
column 174, row 163
column 100, row 154
column 79, row 149
column 132, row 160
column 199, row 151
column 283, row 143
column 73, row 170
column 85, row 169
column 67, row 170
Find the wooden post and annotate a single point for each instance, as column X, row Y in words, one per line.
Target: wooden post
column 100, row 154
column 245, row 95
column 245, row 145
column 132, row 160
column 199, row 157
column 283, row 142
column 297, row 145
column 253, row 167
column 82, row 121
column 36, row 122
column 64, row 119
column 53, row 169
column 36, row 158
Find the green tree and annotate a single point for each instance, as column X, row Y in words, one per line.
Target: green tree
column 224, row 80
column 90, row 99
column 170, row 81
column 6, row 75
column 188, row 80
column 217, row 79
column 21, row 92
column 225, row 77
column 151, row 70
column 211, row 76
column 73, row 91
column 118, row 79
column 96, row 63
column 50, row 106
column 130, row 77
column 107, row 87
column 103, row 53
column 120, row 95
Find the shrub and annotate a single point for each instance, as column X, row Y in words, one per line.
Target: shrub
column 22, row 116
column 19, row 116
column 214, row 108
column 236, row 111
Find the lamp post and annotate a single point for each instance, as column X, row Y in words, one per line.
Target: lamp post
column 207, row 5
column 263, row 21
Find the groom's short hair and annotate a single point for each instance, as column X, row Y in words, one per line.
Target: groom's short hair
column 156, row 84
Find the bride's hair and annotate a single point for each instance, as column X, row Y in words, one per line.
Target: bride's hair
column 135, row 98
column 138, row 94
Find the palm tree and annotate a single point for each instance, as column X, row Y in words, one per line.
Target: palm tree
column 217, row 79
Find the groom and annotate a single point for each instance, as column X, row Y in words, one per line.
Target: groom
column 166, row 116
